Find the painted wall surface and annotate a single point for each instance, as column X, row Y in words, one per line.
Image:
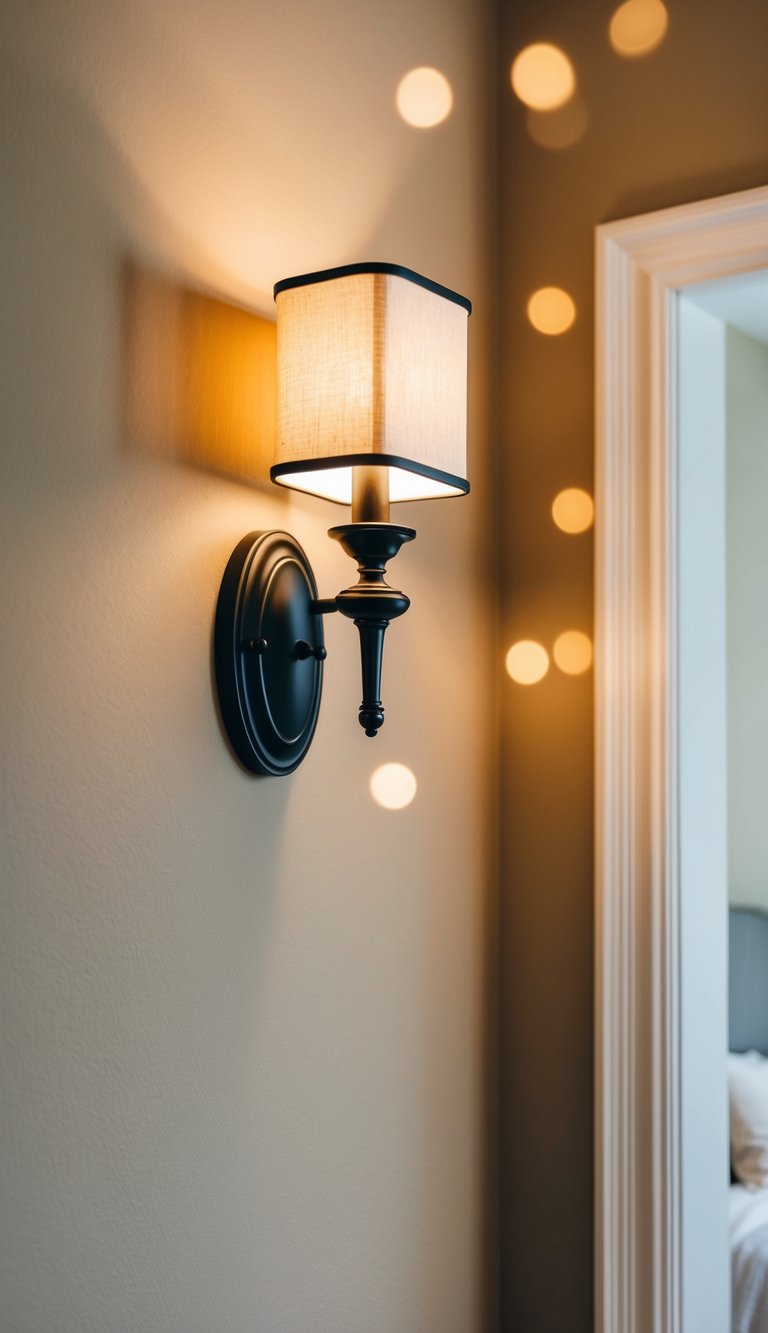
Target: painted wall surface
column 686, row 122
column 747, row 644
column 244, row 1021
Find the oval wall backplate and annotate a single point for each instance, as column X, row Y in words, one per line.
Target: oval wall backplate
column 268, row 653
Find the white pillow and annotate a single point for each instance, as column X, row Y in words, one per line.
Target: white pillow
column 748, row 1098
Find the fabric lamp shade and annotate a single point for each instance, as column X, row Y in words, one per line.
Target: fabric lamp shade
column 372, row 372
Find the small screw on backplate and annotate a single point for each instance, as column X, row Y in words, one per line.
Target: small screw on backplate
column 302, row 650
column 257, row 646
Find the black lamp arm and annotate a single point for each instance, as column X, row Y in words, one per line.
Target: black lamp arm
column 370, row 603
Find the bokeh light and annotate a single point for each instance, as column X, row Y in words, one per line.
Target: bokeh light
column 393, row 786
column 527, row 662
column 551, row 310
column 558, row 129
column 424, row 97
column 573, row 510
column 542, row 76
column 638, row 27
column 572, row 652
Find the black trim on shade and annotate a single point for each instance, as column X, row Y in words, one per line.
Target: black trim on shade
column 371, row 460
column 348, row 270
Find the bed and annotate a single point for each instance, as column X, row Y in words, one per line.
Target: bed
column 748, row 1031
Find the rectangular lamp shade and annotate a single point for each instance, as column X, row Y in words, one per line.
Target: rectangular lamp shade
column 372, row 371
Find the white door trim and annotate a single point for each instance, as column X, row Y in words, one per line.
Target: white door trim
column 641, row 265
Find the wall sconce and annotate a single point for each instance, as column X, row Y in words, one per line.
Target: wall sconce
column 372, row 409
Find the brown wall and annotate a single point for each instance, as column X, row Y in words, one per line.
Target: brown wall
column 686, row 122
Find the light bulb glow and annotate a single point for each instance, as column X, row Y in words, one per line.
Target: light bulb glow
column 527, row 662
column 572, row 652
column 551, row 311
column 424, row 97
column 638, row 27
column 393, row 786
column 542, row 76
column 573, row 510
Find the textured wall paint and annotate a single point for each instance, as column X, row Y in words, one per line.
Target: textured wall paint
column 747, row 642
column 243, row 1021
column 687, row 122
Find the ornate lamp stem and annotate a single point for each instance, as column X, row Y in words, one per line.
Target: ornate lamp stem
column 371, row 603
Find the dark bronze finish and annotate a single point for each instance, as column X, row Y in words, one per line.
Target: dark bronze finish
column 371, row 603
column 268, row 638
column 373, row 266
column 269, row 692
column 302, row 650
column 279, row 471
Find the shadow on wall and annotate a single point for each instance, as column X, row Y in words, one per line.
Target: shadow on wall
column 199, row 379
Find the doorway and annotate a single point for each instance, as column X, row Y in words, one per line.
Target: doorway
column 661, row 900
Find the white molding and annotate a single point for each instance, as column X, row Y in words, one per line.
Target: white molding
column 641, row 265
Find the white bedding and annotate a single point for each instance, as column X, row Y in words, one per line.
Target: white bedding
column 748, row 1231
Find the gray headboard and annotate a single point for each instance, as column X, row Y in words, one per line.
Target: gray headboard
column 748, row 980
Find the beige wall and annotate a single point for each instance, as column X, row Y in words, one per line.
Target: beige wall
column 687, row 122
column 747, row 603
column 244, row 1020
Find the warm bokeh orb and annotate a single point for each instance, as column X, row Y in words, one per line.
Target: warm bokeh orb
column 572, row 652
column 424, row 97
column 542, row 76
column 393, row 786
column 558, row 129
column 551, row 310
column 638, row 27
column 527, row 662
column 573, row 510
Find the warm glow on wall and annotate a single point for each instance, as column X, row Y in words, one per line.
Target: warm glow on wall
column 527, row 662
column 542, row 76
column 393, row 786
column 424, row 97
column 573, row 652
column 551, row 310
column 638, row 27
column 573, row 510
column 558, row 129
column 200, row 382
